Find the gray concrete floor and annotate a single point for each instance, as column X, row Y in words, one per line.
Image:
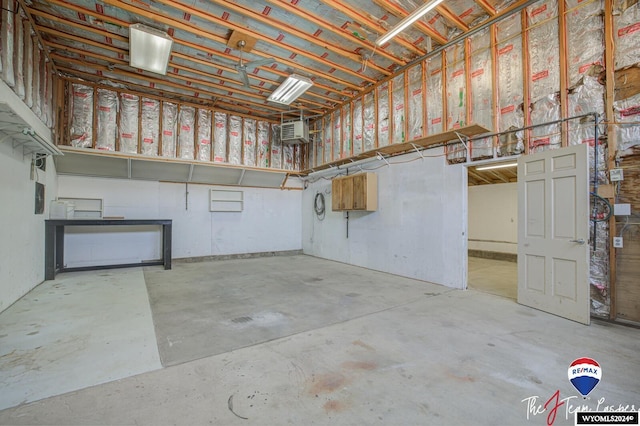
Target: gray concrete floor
column 318, row 342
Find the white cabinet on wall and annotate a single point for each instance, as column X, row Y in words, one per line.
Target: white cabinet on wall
column 225, row 200
column 85, row 208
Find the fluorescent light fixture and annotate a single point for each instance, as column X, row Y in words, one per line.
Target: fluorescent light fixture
column 149, row 48
column 409, row 20
column 497, row 166
column 294, row 86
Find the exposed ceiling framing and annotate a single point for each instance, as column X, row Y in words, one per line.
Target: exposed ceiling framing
column 330, row 41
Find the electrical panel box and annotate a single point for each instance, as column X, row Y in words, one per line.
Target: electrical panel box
column 622, row 209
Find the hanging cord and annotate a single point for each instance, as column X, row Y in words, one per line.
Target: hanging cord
column 318, row 205
column 601, row 217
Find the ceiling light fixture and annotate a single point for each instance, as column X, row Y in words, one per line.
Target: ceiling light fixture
column 497, row 166
column 149, row 48
column 290, row 90
column 406, row 22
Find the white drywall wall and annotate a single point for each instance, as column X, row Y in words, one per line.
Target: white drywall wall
column 22, row 242
column 493, row 217
column 270, row 221
column 418, row 231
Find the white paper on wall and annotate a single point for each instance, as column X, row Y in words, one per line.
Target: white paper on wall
column 204, row 134
column 456, row 87
column 384, row 114
column 235, row 139
column 169, row 129
column 129, row 105
column 415, row 115
column 327, row 135
column 337, row 135
column 545, row 137
column 481, row 92
column 107, row 112
column 7, row 40
column 186, row 134
column 288, row 157
column 358, row 131
column 369, row 122
column 220, row 137
column 263, row 145
column 150, row 126
column 585, row 37
column 398, row 111
column 81, row 129
column 276, row 148
column 19, row 61
column 249, row 132
column 346, row 131
column 627, row 113
column 434, row 95
column 544, row 48
column 626, row 33
column 28, row 64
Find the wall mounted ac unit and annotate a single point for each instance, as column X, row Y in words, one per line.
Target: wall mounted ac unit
column 294, row 132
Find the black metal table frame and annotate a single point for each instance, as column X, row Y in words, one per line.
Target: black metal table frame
column 54, row 243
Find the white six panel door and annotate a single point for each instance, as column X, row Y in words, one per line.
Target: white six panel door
column 553, row 231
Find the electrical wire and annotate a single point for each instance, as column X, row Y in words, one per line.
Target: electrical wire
column 319, row 206
column 609, row 209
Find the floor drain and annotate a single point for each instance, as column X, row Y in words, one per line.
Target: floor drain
column 242, row 319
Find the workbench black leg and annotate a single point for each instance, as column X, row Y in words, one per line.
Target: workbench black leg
column 49, row 251
column 59, row 247
column 166, row 246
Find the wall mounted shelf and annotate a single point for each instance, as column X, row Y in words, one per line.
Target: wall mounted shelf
column 96, row 163
column 21, row 127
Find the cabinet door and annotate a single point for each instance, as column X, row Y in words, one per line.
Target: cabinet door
column 336, row 194
column 359, row 191
column 348, row 191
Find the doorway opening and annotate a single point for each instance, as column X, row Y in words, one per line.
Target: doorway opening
column 492, row 194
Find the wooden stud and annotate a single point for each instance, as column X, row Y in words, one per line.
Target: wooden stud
column 495, row 94
column 178, row 132
column 406, row 107
column 160, row 124
column 118, row 112
column 423, row 79
column 139, row 124
column 94, row 133
column 196, row 141
column 612, row 141
column 525, row 78
column 564, row 71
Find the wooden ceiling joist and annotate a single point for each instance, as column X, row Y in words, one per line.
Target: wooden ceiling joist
column 343, row 32
column 401, row 13
column 363, row 19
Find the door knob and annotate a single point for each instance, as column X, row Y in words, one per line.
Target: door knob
column 578, row 241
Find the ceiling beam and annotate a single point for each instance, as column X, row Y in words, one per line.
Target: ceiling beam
column 452, row 18
column 280, row 26
column 365, row 19
column 401, row 13
column 298, row 11
column 487, row 7
column 117, row 22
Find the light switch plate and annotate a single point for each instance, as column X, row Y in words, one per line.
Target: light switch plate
column 617, row 242
column 616, row 175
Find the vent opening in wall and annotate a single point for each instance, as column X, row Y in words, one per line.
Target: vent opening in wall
column 39, row 198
